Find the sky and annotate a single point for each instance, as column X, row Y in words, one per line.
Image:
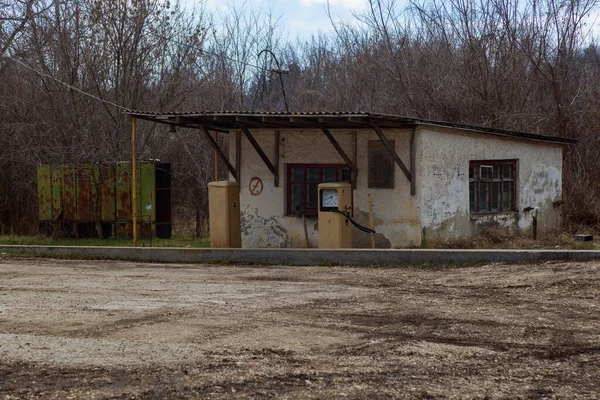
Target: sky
column 299, row 18
column 303, row 18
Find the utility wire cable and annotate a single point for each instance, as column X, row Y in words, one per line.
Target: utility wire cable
column 64, row 84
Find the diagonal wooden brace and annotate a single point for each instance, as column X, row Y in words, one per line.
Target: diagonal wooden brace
column 341, row 151
column 392, row 151
column 262, row 154
column 215, row 146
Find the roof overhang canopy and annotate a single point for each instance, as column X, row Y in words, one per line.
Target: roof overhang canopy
column 224, row 121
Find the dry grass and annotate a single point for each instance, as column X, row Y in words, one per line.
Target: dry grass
column 497, row 239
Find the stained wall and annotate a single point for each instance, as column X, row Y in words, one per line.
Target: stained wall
column 438, row 213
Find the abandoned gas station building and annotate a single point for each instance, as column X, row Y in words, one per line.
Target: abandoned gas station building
column 430, row 181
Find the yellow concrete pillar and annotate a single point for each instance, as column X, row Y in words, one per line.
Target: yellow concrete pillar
column 224, row 214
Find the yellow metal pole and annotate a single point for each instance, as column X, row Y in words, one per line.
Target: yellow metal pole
column 134, row 181
column 216, row 158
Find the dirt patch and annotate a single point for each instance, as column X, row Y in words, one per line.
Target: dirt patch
column 71, row 329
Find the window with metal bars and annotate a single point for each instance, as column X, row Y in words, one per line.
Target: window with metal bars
column 492, row 186
column 303, row 181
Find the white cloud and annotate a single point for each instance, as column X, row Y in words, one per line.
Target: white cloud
column 353, row 4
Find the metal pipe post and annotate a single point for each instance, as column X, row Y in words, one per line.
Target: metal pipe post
column 134, row 180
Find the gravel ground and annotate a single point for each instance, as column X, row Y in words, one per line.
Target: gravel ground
column 100, row 329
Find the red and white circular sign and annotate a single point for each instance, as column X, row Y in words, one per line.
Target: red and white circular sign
column 255, row 186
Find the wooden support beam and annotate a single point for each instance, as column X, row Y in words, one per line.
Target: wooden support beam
column 392, row 151
column 339, row 149
column 192, row 123
column 413, row 180
column 276, row 159
column 259, row 150
column 278, row 122
column 257, row 124
column 215, row 146
column 238, row 156
column 354, row 157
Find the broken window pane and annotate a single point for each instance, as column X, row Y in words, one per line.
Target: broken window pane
column 492, row 186
column 485, row 172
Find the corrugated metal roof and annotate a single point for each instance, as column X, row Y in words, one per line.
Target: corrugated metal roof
column 230, row 119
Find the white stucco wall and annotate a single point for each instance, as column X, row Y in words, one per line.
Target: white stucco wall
column 439, row 212
column 443, row 157
column 264, row 223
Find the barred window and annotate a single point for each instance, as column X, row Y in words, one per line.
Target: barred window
column 492, row 186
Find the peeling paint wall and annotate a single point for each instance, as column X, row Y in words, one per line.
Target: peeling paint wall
column 443, row 157
column 438, row 213
column 264, row 223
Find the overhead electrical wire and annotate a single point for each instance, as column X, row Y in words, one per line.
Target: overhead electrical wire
column 202, row 53
column 63, row 83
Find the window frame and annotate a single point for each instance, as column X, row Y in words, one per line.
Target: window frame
column 308, row 212
column 478, row 181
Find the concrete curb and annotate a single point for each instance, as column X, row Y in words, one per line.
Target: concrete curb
column 303, row 256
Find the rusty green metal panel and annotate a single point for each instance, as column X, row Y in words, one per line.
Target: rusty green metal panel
column 85, row 197
column 69, row 193
column 146, row 198
column 123, row 226
column 57, row 206
column 44, row 181
column 86, row 193
column 123, row 192
column 107, row 193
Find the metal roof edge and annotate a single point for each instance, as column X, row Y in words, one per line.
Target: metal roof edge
column 359, row 114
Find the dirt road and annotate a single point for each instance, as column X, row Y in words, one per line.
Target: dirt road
column 93, row 329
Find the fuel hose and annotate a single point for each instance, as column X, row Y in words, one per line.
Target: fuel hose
column 356, row 224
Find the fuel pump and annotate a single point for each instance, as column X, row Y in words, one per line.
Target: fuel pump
column 335, row 204
column 335, row 222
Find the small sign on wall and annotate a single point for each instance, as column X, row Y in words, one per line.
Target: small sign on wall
column 255, row 186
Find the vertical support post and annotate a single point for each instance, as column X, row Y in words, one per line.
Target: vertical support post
column 238, row 156
column 134, row 180
column 354, row 151
column 276, row 159
column 216, row 158
column 371, row 222
column 413, row 180
column 307, row 243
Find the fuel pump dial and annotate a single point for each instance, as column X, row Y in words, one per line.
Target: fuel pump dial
column 329, row 199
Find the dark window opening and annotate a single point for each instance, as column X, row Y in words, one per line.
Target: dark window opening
column 492, row 186
column 381, row 165
column 302, row 185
